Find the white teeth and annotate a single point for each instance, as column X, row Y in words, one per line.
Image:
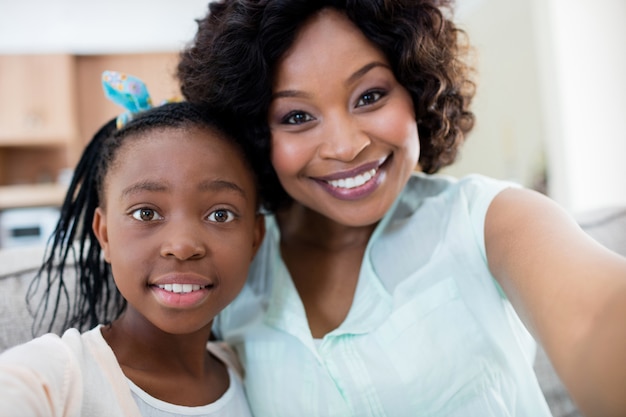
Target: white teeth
column 180, row 288
column 354, row 181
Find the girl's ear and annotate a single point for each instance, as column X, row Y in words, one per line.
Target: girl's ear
column 259, row 233
column 99, row 226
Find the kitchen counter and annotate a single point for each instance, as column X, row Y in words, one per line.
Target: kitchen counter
column 36, row 195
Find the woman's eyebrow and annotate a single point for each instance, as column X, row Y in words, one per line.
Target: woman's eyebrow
column 355, row 76
column 364, row 70
column 290, row 93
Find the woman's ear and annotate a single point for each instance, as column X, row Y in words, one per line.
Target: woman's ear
column 99, row 227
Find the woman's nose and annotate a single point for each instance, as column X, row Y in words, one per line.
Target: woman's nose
column 343, row 137
column 183, row 241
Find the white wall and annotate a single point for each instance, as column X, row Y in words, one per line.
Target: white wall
column 97, row 26
column 552, row 78
column 583, row 69
column 508, row 138
column 552, row 90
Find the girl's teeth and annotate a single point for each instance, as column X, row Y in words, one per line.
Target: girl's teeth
column 180, row 288
column 354, row 181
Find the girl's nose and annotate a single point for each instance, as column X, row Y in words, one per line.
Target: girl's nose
column 183, row 242
column 343, row 138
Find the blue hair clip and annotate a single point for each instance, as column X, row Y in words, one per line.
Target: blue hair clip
column 127, row 91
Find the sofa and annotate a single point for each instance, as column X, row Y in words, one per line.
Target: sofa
column 19, row 265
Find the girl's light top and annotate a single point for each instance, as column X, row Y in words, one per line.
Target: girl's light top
column 78, row 375
column 429, row 333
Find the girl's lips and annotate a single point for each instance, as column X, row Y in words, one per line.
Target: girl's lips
column 181, row 299
column 181, row 290
column 181, row 278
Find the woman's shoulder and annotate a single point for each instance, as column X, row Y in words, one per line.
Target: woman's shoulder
column 429, row 185
column 474, row 192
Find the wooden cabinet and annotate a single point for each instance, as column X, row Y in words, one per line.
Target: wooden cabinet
column 50, row 107
column 38, row 123
column 37, row 100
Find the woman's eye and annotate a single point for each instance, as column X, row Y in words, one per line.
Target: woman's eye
column 369, row 97
column 222, row 216
column 146, row 215
column 296, row 118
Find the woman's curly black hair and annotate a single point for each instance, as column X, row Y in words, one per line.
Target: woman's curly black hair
column 73, row 253
column 238, row 44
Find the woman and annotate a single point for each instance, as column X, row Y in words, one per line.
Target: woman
column 383, row 289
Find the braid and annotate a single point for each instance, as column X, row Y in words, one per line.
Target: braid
column 73, row 240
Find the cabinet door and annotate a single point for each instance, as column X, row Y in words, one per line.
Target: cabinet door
column 37, row 100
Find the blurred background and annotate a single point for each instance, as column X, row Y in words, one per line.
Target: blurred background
column 550, row 103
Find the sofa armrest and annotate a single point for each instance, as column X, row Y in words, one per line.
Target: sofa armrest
column 18, row 266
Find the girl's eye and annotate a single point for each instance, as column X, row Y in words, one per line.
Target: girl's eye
column 297, row 118
column 369, row 97
column 222, row 216
column 146, row 215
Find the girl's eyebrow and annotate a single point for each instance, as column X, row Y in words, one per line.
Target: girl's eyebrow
column 144, row 186
column 355, row 76
column 208, row 185
column 217, row 185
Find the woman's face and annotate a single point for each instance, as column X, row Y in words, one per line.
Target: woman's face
column 344, row 135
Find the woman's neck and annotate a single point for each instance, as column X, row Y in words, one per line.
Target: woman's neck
column 324, row 259
column 305, row 226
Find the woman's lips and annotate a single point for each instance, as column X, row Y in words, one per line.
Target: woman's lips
column 357, row 183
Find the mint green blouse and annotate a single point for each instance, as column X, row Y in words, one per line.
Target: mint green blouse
column 429, row 332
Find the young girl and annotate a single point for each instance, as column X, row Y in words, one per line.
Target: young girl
column 382, row 291
column 166, row 206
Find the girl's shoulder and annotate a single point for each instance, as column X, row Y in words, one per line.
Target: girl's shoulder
column 52, row 347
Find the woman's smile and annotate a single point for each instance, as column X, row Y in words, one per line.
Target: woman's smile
column 356, row 183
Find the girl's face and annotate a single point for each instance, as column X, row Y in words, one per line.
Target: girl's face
column 344, row 135
column 179, row 226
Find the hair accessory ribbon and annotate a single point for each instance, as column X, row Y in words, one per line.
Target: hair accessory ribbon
column 129, row 92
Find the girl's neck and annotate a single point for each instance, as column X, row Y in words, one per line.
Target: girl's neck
column 176, row 369
column 305, row 226
column 138, row 343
